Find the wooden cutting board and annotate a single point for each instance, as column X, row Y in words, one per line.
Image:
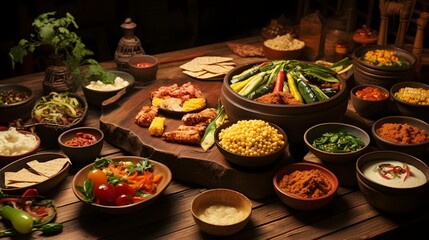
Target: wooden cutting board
column 188, row 163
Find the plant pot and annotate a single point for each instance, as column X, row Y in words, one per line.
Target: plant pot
column 58, row 77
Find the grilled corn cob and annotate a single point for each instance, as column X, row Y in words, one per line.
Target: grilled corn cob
column 156, row 128
column 193, row 104
column 413, row 95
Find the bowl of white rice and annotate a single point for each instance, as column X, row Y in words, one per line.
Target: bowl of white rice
column 16, row 144
column 283, row 47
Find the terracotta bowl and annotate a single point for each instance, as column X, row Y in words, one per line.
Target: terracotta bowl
column 389, row 195
column 293, row 119
column 406, row 108
column 250, row 161
column 318, row 130
column 226, row 198
column 17, row 110
column 365, row 73
column 299, row 202
column 143, row 68
column 370, row 109
column 81, row 176
column 42, row 187
column 413, row 149
column 96, row 97
column 81, row 154
column 7, row 159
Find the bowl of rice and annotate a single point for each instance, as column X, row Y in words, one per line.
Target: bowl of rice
column 283, row 47
column 16, row 144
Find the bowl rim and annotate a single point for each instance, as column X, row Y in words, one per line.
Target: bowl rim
column 18, row 156
column 243, row 67
column 400, row 85
column 386, row 119
column 20, row 87
column 129, row 78
column 399, row 51
column 147, row 56
column 297, row 165
column 367, row 136
column 362, row 86
column 78, row 129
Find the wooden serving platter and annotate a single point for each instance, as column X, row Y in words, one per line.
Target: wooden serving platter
column 188, row 163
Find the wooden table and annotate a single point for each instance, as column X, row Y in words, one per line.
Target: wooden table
column 349, row 216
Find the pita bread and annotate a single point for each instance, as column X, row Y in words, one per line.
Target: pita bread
column 48, row 168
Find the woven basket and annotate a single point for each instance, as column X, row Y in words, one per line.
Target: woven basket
column 58, row 77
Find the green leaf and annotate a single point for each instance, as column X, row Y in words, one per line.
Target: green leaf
column 144, row 165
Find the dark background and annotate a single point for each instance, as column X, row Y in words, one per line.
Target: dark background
column 162, row 25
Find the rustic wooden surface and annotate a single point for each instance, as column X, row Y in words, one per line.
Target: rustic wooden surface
column 348, row 216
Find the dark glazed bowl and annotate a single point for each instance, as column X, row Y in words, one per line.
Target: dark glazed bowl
column 251, row 161
column 318, row 130
column 299, row 202
column 370, row 109
column 143, row 74
column 19, row 110
column 406, row 108
column 386, row 198
column 412, row 149
column 293, row 119
column 365, row 73
column 81, row 154
column 97, row 97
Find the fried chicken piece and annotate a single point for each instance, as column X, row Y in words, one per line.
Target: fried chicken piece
column 146, row 115
column 205, row 115
column 278, row 98
column 182, row 136
column 199, row 127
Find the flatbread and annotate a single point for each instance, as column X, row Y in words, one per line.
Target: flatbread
column 19, row 184
column 48, row 168
column 23, row 175
column 207, row 67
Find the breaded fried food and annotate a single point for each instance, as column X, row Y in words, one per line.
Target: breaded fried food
column 278, row 98
column 145, row 116
column 205, row 115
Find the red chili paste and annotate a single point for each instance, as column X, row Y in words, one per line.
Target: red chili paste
column 81, row 139
column 371, row 93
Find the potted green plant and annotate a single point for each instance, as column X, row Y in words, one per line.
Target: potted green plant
column 68, row 52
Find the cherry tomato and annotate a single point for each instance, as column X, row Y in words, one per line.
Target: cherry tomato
column 98, row 177
column 124, row 189
column 123, row 199
column 105, row 192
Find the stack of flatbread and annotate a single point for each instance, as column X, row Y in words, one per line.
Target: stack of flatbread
column 38, row 172
column 208, row 67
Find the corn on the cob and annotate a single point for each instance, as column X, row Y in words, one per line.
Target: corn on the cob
column 156, row 127
column 414, row 95
column 156, row 101
column 193, row 104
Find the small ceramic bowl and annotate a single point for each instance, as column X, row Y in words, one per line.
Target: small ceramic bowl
column 76, row 151
column 15, row 109
column 143, row 68
column 334, row 127
column 44, row 186
column 366, row 106
column 305, row 202
column 415, row 149
column 82, row 175
column 211, row 202
column 250, row 161
column 410, row 109
column 399, row 194
column 5, row 159
column 97, row 97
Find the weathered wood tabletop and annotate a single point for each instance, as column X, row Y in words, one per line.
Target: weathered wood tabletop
column 348, row 216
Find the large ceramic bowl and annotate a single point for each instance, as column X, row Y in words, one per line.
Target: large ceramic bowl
column 408, row 108
column 310, row 200
column 82, row 175
column 401, row 133
column 13, row 109
column 249, row 161
column 15, row 142
column 221, row 211
column 96, row 97
column 365, row 73
column 318, row 130
column 293, row 119
column 388, row 193
column 81, row 144
column 48, row 131
column 368, row 107
column 44, row 186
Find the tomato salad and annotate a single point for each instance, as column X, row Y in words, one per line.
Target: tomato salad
column 117, row 183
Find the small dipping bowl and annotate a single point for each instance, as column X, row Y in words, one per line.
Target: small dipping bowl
column 143, row 68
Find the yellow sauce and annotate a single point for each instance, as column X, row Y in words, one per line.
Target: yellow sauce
column 222, row 215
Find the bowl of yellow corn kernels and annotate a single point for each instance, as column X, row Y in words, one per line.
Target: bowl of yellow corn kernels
column 251, row 143
column 382, row 65
column 411, row 99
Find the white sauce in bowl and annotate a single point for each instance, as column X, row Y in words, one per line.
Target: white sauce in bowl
column 100, row 86
column 222, row 215
column 415, row 179
column 13, row 142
